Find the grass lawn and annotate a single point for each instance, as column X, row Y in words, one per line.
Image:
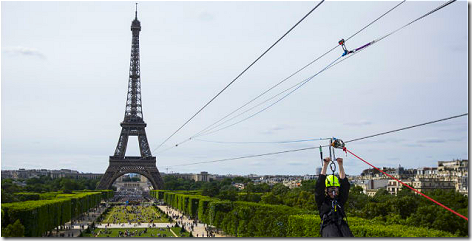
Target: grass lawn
column 134, row 214
column 151, row 232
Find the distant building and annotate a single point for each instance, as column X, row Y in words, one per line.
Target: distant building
column 448, row 175
column 201, row 177
column 370, row 187
column 32, row 173
column 310, row 177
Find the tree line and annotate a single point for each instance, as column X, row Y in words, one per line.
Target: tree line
column 44, row 184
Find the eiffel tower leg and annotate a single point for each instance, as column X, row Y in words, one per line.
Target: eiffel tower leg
column 107, row 179
column 143, row 143
column 158, row 179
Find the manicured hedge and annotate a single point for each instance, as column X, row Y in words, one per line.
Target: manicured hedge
column 308, row 226
column 192, row 208
column 203, row 207
column 248, row 219
column 107, row 194
column 251, row 197
column 48, row 195
column 38, row 216
column 44, row 215
column 26, row 196
column 242, row 219
column 82, row 202
column 157, row 194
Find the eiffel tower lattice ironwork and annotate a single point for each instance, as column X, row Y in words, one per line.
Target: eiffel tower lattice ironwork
column 133, row 125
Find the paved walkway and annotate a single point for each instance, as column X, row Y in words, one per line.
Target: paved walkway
column 134, row 225
column 80, row 224
column 199, row 229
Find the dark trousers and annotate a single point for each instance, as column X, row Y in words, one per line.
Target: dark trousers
column 332, row 229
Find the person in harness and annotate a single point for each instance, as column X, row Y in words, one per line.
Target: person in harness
column 331, row 194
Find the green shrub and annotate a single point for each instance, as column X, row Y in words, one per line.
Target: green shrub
column 14, row 230
column 308, row 226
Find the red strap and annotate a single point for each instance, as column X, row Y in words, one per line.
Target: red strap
column 438, row 203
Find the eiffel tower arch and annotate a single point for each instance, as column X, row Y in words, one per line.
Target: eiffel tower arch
column 133, row 125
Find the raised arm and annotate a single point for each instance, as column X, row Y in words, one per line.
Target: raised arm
column 342, row 174
column 326, row 162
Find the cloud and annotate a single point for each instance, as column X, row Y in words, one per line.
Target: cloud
column 24, row 51
column 294, row 163
column 413, row 145
column 276, row 127
column 432, row 141
column 256, row 163
column 456, row 129
column 359, row 123
column 455, row 139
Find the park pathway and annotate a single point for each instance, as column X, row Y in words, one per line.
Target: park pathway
column 79, row 225
column 199, row 229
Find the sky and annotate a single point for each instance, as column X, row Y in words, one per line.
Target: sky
column 64, row 77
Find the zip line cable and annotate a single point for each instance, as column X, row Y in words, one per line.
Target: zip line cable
column 298, row 86
column 262, row 142
column 244, row 157
column 241, row 73
column 405, row 128
column 310, row 148
column 353, row 52
column 424, row 195
column 358, row 139
column 303, row 82
column 296, row 72
column 263, row 93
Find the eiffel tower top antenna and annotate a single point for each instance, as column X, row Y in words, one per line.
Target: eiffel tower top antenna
column 136, row 13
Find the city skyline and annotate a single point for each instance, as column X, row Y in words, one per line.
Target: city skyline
column 65, row 73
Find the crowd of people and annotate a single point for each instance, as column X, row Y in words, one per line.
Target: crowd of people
column 133, row 214
column 190, row 224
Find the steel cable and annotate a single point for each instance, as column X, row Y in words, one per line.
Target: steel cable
column 237, row 77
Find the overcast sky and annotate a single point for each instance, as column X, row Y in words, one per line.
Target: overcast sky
column 65, row 68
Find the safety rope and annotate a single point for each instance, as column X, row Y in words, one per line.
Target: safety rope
column 424, row 195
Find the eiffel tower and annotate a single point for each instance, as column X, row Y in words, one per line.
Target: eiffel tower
column 133, row 125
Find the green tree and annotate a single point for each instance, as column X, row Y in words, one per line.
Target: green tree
column 210, row 189
column 382, row 195
column 67, row 186
column 308, row 185
column 241, row 180
column 405, row 206
column 8, row 197
column 356, row 201
column 14, row 230
column 228, row 193
column 262, row 188
column 306, row 200
column 226, row 182
column 9, row 187
column 270, row 198
column 279, row 189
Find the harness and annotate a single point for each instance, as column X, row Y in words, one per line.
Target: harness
column 335, row 215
